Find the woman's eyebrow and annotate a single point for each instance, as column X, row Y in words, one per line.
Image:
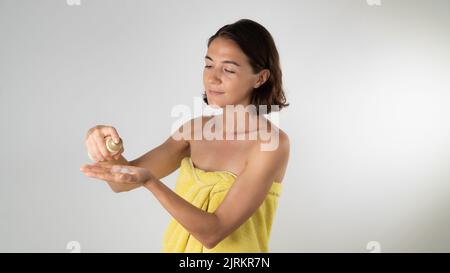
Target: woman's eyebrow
column 225, row 62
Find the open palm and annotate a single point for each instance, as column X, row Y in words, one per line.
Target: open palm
column 117, row 173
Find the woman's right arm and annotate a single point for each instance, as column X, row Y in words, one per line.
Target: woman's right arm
column 160, row 161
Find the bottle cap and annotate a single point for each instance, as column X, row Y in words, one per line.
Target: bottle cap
column 113, row 147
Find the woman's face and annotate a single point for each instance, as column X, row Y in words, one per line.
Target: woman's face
column 228, row 77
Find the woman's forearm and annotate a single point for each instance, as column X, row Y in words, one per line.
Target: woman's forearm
column 201, row 224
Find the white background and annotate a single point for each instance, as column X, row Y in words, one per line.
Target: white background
column 369, row 118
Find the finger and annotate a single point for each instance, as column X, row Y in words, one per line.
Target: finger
column 113, row 133
column 98, row 172
column 93, row 151
column 104, row 168
column 84, row 167
column 90, row 157
column 87, row 144
column 100, row 142
column 92, row 168
column 100, row 168
column 117, row 177
column 117, row 156
column 99, row 175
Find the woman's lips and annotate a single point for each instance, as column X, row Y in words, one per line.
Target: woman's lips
column 215, row 93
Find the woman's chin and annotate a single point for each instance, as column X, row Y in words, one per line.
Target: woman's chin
column 215, row 104
column 213, row 109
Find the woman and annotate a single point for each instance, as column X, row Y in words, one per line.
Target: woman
column 227, row 191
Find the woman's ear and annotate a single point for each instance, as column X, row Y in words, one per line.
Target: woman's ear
column 263, row 76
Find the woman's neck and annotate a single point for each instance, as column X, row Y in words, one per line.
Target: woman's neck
column 238, row 119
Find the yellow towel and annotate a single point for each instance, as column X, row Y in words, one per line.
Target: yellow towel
column 206, row 190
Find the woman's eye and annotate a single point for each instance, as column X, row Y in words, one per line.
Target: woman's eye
column 226, row 70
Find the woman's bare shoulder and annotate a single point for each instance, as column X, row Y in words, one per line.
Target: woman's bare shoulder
column 270, row 133
column 273, row 147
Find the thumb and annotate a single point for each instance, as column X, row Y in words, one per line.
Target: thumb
column 117, row 156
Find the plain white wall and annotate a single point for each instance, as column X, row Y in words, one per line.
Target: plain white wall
column 368, row 122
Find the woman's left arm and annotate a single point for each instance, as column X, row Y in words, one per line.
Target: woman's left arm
column 242, row 200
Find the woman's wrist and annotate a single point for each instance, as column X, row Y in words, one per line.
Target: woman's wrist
column 148, row 183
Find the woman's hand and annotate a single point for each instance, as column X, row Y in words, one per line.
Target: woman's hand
column 96, row 145
column 124, row 174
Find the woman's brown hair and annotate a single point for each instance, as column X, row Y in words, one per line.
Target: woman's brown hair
column 258, row 45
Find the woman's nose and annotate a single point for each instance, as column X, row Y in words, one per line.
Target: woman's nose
column 214, row 77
